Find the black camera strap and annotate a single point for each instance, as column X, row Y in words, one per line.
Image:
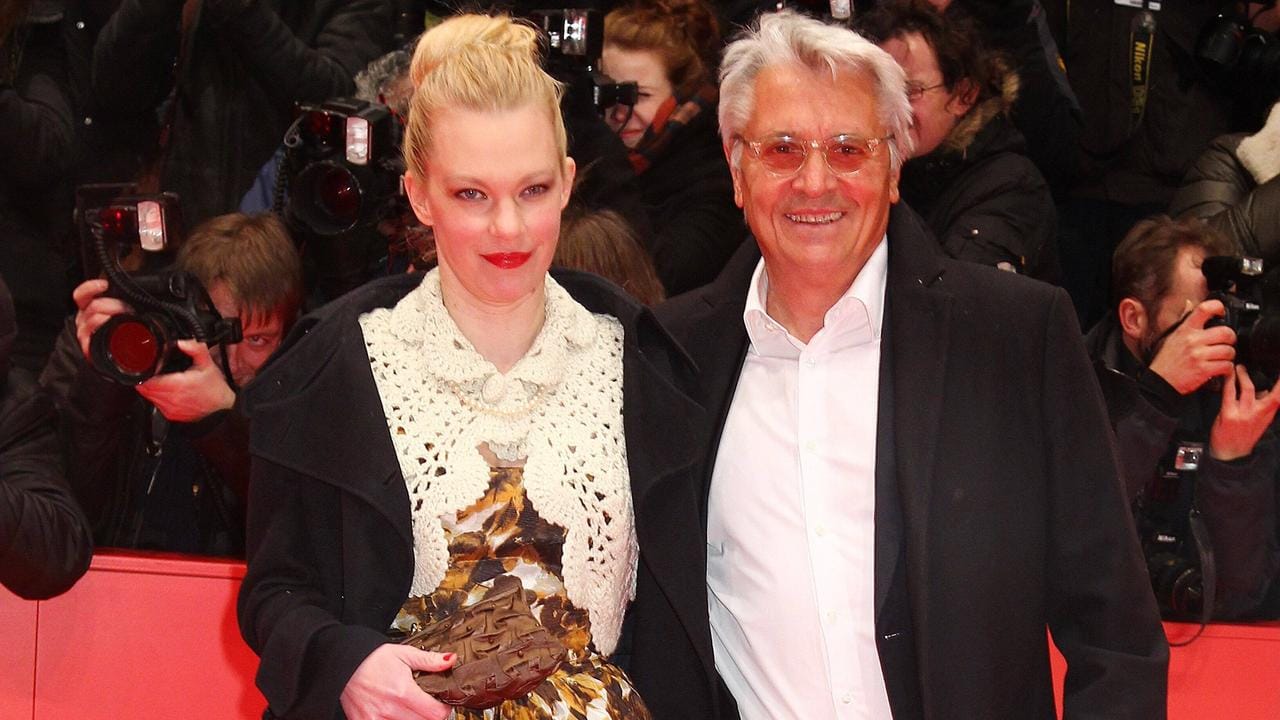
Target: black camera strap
column 1142, row 37
column 1208, row 573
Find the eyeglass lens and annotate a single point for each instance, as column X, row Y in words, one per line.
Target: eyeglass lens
column 844, row 154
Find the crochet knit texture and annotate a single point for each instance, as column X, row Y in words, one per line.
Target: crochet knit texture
column 559, row 408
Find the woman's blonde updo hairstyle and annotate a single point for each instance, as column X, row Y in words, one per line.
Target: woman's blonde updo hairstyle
column 684, row 33
column 479, row 63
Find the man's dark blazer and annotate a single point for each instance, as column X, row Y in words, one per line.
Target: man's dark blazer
column 998, row 508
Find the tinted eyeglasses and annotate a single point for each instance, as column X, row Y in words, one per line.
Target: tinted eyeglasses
column 785, row 154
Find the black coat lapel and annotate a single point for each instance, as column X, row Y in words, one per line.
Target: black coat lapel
column 335, row 429
column 665, row 432
column 918, row 310
column 718, row 342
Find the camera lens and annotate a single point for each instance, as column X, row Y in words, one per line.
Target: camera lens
column 327, row 198
column 1220, row 43
column 129, row 348
column 132, row 347
column 1177, row 584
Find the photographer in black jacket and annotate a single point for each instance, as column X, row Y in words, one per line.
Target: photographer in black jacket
column 1183, row 444
column 44, row 538
column 164, row 465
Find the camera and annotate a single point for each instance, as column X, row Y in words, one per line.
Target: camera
column 347, row 159
column 342, row 174
column 1252, row 302
column 167, row 305
column 1162, row 516
column 573, row 40
column 1234, row 52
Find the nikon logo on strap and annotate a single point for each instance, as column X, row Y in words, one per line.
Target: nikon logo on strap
column 1142, row 35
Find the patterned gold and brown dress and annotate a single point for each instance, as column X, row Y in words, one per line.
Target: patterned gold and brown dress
column 502, row 533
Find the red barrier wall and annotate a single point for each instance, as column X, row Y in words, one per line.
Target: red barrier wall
column 140, row 636
column 1230, row 672
column 154, row 636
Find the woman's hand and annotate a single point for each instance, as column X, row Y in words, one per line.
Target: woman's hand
column 382, row 688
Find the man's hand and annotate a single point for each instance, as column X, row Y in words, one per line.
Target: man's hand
column 1192, row 353
column 383, row 687
column 92, row 310
column 1244, row 416
column 194, row 393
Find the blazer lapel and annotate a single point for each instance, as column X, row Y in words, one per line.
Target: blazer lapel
column 336, row 431
column 719, row 345
column 671, row 474
column 663, row 460
column 918, row 310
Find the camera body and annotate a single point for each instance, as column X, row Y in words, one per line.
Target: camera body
column 346, row 157
column 167, row 306
column 133, row 347
column 1252, row 302
column 1234, row 52
column 343, row 172
column 573, row 40
column 1162, row 514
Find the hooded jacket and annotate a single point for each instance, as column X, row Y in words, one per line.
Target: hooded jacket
column 982, row 196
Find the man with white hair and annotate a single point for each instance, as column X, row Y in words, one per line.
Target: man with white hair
column 910, row 476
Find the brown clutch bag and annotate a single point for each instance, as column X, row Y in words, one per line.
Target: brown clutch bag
column 503, row 652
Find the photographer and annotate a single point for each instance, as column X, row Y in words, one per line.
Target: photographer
column 44, row 538
column 668, row 48
column 1183, row 444
column 222, row 76
column 164, row 466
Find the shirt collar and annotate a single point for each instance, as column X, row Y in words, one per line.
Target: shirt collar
column 854, row 319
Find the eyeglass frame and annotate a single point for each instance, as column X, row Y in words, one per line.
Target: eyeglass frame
column 870, row 146
column 916, row 91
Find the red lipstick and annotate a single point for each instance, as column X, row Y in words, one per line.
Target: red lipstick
column 507, row 260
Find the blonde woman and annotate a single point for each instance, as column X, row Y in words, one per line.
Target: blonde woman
column 427, row 435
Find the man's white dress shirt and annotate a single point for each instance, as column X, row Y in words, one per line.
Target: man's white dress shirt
column 791, row 520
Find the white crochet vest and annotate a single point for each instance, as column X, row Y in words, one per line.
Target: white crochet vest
column 560, row 407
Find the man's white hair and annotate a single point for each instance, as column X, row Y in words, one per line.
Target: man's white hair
column 787, row 37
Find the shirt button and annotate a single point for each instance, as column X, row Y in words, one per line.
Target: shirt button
column 832, row 616
column 88, row 121
column 810, row 362
column 80, row 25
column 846, row 699
column 820, row 531
column 810, row 446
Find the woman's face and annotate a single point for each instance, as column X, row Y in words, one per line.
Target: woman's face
column 493, row 190
column 645, row 69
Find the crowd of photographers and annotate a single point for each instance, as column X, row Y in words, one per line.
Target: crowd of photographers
column 183, row 178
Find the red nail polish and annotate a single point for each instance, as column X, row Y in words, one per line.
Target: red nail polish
column 447, row 657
